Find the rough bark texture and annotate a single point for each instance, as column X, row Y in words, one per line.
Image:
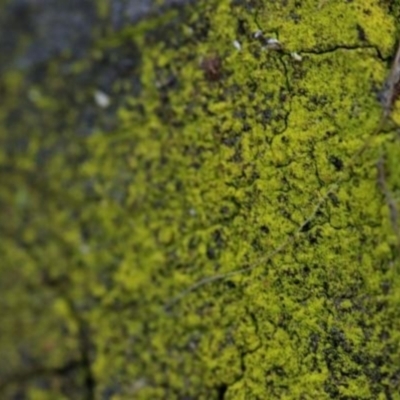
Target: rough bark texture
column 166, row 228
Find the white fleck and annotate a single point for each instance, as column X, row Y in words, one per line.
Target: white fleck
column 137, row 385
column 273, row 44
column 237, row 45
column 257, row 34
column 34, row 95
column 296, row 56
column 272, row 41
column 101, row 99
column 84, row 248
column 192, row 212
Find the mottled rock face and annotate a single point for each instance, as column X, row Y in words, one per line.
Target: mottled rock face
column 185, row 209
column 52, row 27
column 49, row 27
column 125, row 12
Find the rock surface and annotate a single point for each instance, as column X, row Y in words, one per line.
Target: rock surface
column 186, row 212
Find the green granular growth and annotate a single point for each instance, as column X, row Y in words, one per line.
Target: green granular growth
column 214, row 156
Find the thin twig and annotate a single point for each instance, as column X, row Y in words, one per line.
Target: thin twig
column 391, row 203
column 390, row 90
column 290, row 239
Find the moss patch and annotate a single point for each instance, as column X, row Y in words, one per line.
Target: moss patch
column 222, row 149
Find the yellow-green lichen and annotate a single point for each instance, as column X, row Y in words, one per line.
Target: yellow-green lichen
column 206, row 173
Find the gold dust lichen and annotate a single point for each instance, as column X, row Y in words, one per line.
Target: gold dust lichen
column 218, row 157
